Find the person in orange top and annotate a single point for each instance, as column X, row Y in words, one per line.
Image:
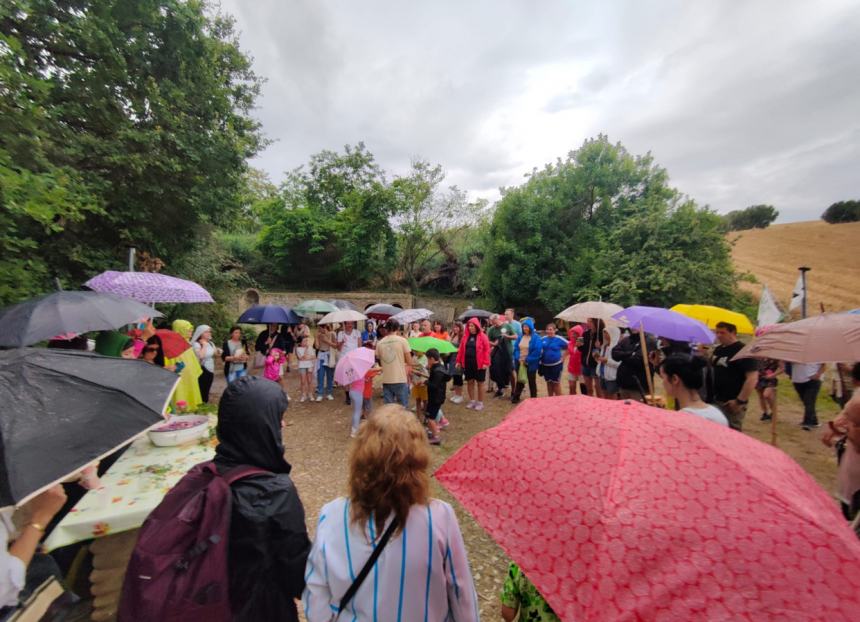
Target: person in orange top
column 439, row 331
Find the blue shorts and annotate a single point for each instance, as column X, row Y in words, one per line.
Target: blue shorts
column 589, row 372
column 397, row 393
column 609, row 386
column 552, row 373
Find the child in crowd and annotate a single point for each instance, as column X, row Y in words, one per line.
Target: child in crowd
column 438, row 378
column 419, row 382
column 367, row 402
column 274, row 365
column 306, row 356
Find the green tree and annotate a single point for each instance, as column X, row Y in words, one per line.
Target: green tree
column 753, row 217
column 843, row 211
column 133, row 121
column 603, row 223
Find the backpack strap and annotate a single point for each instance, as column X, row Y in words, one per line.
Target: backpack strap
column 367, row 566
column 236, row 473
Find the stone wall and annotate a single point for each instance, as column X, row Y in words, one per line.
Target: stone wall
column 444, row 308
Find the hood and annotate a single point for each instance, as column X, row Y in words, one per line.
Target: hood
column 575, row 332
column 530, row 323
column 183, row 327
column 249, row 425
column 476, row 322
column 112, row 343
column 199, row 331
column 614, row 336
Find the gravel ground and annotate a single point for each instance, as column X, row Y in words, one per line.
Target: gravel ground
column 317, row 441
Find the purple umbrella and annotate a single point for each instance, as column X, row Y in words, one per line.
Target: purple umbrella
column 149, row 287
column 665, row 323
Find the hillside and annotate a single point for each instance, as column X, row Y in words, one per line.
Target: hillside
column 774, row 254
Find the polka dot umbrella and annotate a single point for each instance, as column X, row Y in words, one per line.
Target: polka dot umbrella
column 621, row 511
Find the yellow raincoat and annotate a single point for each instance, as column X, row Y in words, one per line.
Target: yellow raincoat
column 188, row 388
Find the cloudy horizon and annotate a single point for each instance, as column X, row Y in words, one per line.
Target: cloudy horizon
column 742, row 103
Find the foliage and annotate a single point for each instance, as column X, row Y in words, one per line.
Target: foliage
column 843, row 211
column 753, row 217
column 121, row 123
column 604, row 224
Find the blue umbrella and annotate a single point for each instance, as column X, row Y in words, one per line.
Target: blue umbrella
column 665, row 323
column 269, row 314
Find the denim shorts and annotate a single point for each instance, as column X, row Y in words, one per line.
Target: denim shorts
column 609, row 386
column 397, row 393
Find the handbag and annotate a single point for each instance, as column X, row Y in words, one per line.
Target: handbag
column 522, row 374
column 48, row 602
column 366, row 569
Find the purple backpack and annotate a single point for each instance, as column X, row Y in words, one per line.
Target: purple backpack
column 178, row 570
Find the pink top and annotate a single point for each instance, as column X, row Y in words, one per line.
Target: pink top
column 273, row 367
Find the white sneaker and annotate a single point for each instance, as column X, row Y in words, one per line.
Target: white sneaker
column 303, row 398
column 479, row 406
column 329, row 397
column 319, row 398
column 456, row 399
column 471, row 404
column 353, row 433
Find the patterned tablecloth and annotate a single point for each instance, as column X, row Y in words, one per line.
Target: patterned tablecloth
column 133, row 486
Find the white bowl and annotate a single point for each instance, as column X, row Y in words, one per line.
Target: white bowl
column 170, row 438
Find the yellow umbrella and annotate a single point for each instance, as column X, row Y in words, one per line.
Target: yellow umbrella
column 714, row 315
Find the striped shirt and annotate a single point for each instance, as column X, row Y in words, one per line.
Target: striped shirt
column 421, row 575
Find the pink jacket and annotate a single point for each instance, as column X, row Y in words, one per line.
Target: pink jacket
column 273, row 367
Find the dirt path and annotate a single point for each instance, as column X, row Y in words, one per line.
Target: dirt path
column 317, row 441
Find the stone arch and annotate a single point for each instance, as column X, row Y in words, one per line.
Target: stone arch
column 252, row 297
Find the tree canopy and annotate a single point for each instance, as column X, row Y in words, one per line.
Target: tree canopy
column 121, row 123
column 753, row 217
column 604, row 223
column 843, row 211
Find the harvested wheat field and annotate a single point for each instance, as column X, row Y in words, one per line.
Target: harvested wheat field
column 773, row 255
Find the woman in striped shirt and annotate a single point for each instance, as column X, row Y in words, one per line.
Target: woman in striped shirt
column 422, row 574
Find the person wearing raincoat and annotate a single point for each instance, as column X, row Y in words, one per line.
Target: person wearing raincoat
column 188, row 389
column 608, row 366
column 473, row 357
column 527, row 352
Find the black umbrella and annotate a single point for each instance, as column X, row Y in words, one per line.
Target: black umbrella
column 478, row 313
column 62, row 410
column 66, row 312
column 269, row 314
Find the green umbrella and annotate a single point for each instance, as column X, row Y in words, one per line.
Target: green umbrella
column 313, row 307
column 422, row 344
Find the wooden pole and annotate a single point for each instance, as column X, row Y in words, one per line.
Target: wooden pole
column 645, row 361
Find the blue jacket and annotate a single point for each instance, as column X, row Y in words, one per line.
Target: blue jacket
column 535, row 347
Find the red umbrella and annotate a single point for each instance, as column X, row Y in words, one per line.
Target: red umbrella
column 621, row 511
column 172, row 342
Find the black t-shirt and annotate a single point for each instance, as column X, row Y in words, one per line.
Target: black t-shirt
column 729, row 375
column 472, row 351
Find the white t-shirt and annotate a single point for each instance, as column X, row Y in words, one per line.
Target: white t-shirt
column 803, row 372
column 350, row 341
column 303, row 352
column 12, row 570
column 711, row 413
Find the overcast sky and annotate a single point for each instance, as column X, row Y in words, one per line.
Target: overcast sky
column 742, row 102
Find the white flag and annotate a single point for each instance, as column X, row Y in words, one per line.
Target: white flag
column 768, row 310
column 797, row 294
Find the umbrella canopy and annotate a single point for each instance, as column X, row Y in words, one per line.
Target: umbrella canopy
column 64, row 409
column 314, row 307
column 422, row 344
column 597, row 309
column 354, row 365
column 342, row 315
column 412, row 315
column 825, row 338
column 617, row 510
column 381, row 311
column 478, row 313
column 172, row 343
column 343, row 304
column 68, row 312
column 149, row 287
column 711, row 316
column 269, row 314
column 665, row 323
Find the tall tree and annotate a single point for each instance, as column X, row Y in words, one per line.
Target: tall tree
column 135, row 118
column 752, row 217
column 843, row 211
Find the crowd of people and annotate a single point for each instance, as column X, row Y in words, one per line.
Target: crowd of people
column 387, row 532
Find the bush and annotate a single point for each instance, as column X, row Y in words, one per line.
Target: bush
column 753, row 217
column 843, row 211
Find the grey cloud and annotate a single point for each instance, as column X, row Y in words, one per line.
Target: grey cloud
column 741, row 102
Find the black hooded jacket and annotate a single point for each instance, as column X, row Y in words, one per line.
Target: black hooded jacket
column 631, row 372
column 269, row 543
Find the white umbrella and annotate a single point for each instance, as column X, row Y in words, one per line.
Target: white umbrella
column 597, row 309
column 412, row 315
column 341, row 316
column 825, row 338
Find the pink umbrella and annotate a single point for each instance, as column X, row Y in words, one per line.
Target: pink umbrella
column 825, row 338
column 353, row 366
column 620, row 511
